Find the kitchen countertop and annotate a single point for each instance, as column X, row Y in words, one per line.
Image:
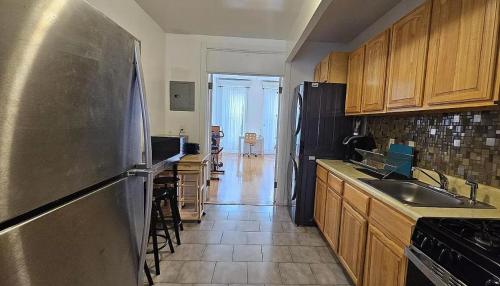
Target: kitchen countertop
column 349, row 174
column 160, row 166
column 194, row 158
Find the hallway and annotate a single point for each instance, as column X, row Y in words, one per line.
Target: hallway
column 246, row 181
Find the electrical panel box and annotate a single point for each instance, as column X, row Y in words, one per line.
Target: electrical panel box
column 181, row 96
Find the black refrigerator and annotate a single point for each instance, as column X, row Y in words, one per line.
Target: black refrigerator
column 318, row 126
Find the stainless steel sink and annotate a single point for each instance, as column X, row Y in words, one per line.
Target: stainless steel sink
column 415, row 193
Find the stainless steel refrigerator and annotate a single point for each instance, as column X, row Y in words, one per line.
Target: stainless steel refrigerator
column 74, row 147
column 318, row 126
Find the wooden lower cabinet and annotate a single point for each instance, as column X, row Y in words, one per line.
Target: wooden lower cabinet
column 333, row 210
column 319, row 203
column 352, row 242
column 368, row 236
column 385, row 261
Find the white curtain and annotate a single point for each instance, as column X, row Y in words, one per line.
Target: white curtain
column 270, row 120
column 228, row 112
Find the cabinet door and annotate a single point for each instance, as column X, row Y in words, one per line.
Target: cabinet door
column 338, row 67
column 352, row 242
column 407, row 60
column 325, row 69
column 385, row 261
column 332, row 218
column 319, row 203
column 462, row 51
column 355, row 81
column 317, row 71
column 374, row 75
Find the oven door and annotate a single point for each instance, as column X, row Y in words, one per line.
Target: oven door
column 423, row 271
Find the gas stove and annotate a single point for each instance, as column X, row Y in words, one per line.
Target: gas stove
column 451, row 251
column 484, row 234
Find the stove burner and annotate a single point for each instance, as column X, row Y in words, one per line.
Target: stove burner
column 485, row 234
column 489, row 236
column 468, row 248
column 487, row 240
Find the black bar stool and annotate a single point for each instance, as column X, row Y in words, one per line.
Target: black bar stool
column 168, row 185
column 157, row 217
column 148, row 274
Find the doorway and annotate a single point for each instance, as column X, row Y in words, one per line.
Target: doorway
column 242, row 105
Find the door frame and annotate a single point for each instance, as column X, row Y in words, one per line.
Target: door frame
column 207, row 118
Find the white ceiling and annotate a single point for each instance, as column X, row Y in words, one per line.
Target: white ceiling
column 266, row 19
column 345, row 19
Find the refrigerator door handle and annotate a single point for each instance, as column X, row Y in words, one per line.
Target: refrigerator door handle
column 299, row 121
column 148, row 204
column 295, row 169
column 144, row 104
column 148, row 200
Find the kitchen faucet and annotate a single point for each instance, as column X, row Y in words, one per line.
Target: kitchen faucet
column 443, row 180
column 473, row 190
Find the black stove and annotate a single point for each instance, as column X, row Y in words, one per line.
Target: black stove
column 451, row 251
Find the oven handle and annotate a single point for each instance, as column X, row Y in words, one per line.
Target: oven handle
column 433, row 271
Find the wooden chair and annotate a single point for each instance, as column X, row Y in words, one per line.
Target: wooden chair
column 251, row 140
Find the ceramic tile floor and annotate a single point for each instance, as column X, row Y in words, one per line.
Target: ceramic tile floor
column 249, row 245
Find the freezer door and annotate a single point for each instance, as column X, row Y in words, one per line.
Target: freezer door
column 68, row 116
column 94, row 240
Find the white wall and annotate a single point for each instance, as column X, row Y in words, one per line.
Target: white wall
column 309, row 15
column 129, row 15
column 384, row 22
column 191, row 57
column 254, row 113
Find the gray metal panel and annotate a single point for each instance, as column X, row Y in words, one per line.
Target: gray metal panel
column 94, row 241
column 68, row 119
column 181, row 96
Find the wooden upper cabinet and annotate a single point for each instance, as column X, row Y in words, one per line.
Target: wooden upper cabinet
column 355, row 81
column 374, row 75
column 317, row 72
column 385, row 261
column 325, row 69
column 462, row 51
column 407, row 60
column 338, row 67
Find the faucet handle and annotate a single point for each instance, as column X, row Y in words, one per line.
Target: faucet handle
column 471, row 183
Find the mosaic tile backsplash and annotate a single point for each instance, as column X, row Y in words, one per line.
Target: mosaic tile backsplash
column 465, row 145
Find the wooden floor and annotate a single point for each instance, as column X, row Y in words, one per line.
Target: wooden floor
column 246, row 181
